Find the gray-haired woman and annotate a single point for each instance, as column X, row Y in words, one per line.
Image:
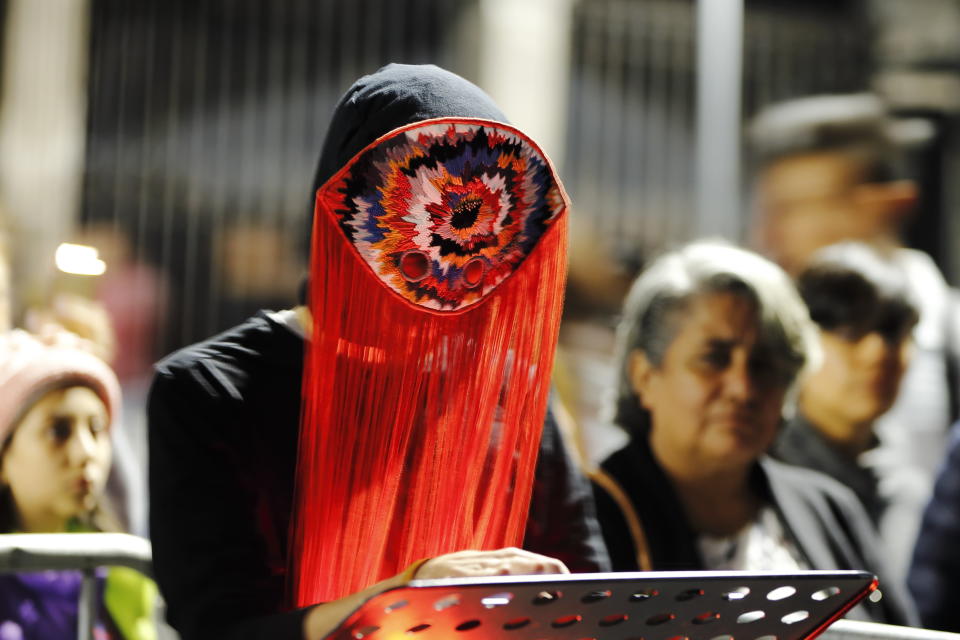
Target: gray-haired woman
column 711, row 342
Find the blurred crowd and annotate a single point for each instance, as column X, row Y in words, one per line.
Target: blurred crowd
column 787, row 403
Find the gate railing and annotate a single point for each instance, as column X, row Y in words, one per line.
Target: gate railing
column 84, row 552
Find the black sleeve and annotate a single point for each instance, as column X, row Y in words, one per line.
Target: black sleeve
column 562, row 522
column 209, row 559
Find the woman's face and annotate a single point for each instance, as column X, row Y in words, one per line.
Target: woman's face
column 716, row 399
column 58, row 458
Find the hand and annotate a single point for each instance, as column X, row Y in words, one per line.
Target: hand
column 502, row 562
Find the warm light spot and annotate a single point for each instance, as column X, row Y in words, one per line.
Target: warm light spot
column 79, row 259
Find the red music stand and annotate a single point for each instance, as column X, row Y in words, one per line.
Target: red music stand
column 612, row 606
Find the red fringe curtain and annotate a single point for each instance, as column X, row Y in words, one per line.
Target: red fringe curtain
column 420, row 428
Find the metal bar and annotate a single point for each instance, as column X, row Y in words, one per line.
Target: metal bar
column 87, row 610
column 855, row 630
column 719, row 62
column 83, row 551
column 43, row 101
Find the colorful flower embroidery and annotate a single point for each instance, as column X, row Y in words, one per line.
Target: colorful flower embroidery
column 443, row 212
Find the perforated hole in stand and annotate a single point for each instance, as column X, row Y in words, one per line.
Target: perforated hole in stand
column 446, row 602
column 596, row 596
column 767, row 637
column 706, row 617
column 678, row 638
column 365, row 632
column 825, row 593
column 722, row 637
column 468, row 625
column 566, row 621
column 516, row 623
column 660, row 618
column 689, row 594
column 400, row 604
column 418, row 628
column 613, row 620
column 547, row 597
column 751, row 616
column 643, row 594
column 781, row 593
column 795, row 617
column 736, row 594
column 497, row 600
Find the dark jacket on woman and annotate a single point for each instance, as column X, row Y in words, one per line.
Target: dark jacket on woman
column 800, row 443
column 824, row 520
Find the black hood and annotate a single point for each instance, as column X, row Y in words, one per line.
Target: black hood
column 376, row 104
column 394, row 96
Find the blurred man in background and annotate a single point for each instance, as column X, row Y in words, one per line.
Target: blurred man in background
column 827, row 172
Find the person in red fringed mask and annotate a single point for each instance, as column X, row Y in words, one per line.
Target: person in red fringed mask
column 395, row 425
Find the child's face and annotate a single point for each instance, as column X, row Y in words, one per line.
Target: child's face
column 57, row 462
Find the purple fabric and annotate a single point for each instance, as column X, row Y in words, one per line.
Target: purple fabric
column 43, row 606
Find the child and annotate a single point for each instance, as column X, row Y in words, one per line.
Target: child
column 57, row 405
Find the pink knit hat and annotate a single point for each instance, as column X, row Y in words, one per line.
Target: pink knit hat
column 28, row 368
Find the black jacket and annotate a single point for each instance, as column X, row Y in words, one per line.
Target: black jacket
column 823, row 518
column 223, row 425
column 800, row 443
